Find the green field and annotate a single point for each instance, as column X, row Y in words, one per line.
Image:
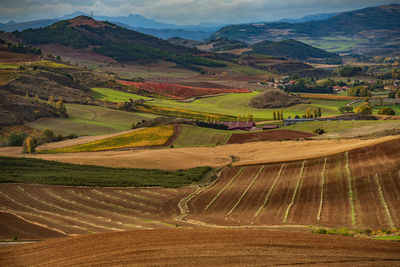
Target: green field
column 24, row 170
column 9, row 66
column 236, row 104
column 153, row 136
column 90, row 120
column 192, row 136
column 114, row 95
column 330, row 126
column 396, row 108
column 335, row 44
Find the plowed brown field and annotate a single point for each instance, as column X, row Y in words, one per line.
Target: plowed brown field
column 274, row 135
column 203, row 247
column 60, row 210
column 357, row 189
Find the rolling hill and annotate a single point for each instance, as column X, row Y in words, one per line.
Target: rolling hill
column 118, row 43
column 292, row 49
column 374, row 25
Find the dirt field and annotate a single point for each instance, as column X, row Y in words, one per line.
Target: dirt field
column 355, row 189
column 51, row 211
column 185, row 158
column 9, row 57
column 204, row 247
column 275, row 135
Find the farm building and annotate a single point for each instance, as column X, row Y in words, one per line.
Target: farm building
column 239, row 125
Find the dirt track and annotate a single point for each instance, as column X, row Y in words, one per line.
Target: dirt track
column 275, row 135
column 183, row 158
column 204, row 247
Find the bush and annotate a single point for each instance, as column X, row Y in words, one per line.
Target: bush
column 386, row 111
column 321, row 231
column 48, row 134
column 346, row 109
column 16, row 139
column 319, row 131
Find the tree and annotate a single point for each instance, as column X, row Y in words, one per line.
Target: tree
column 274, row 115
column 37, row 98
column 51, row 101
column 26, row 94
column 249, row 118
column 48, row 134
column 16, row 139
column 319, row 112
column 380, row 101
column 346, row 109
column 308, row 113
column 60, row 106
column 29, row 145
column 281, row 114
column 363, row 109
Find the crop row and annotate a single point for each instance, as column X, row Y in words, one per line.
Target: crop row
column 86, row 210
column 179, row 91
column 330, row 191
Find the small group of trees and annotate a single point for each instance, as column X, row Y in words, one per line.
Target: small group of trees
column 386, row 111
column 313, row 113
column 364, row 108
column 277, row 115
column 59, row 106
column 31, row 141
column 247, row 117
column 359, row 90
column 346, row 109
column 350, row 71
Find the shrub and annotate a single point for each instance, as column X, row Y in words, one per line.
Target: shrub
column 319, row 131
column 48, row 134
column 346, row 109
column 16, row 139
column 386, row 111
column 321, row 231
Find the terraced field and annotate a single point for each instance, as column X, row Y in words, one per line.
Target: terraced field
column 81, row 210
column 356, row 189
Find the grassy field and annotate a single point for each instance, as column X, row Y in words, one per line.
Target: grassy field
column 90, row 120
column 330, row 126
column 114, row 95
column 396, row 108
column 390, row 238
column 236, row 104
column 336, row 44
column 9, row 66
column 154, row 136
column 192, row 136
column 24, row 170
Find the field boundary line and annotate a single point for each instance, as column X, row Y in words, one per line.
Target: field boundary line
column 247, row 189
column 383, row 201
column 294, row 193
column 351, row 195
column 270, row 191
column 223, row 189
column 322, row 189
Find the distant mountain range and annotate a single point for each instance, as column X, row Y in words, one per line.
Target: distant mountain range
column 367, row 30
column 148, row 26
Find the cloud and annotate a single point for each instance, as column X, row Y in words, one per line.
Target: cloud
column 182, row 11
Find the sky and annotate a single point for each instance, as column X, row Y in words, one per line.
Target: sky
column 182, row 12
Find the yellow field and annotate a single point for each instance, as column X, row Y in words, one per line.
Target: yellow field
column 49, row 64
column 154, row 136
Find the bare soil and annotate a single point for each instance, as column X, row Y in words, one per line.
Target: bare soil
column 204, row 247
column 275, row 135
column 184, row 158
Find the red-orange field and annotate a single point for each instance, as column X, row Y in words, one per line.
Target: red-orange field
column 355, row 189
column 64, row 210
column 273, row 135
column 204, row 247
column 180, row 91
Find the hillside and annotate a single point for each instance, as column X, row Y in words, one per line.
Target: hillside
column 113, row 41
column 275, row 99
column 375, row 25
column 292, row 49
